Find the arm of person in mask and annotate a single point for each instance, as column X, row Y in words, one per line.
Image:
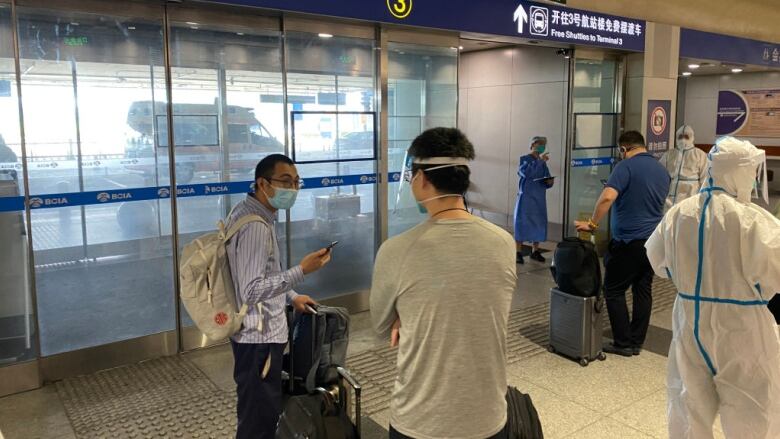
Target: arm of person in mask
column 656, row 249
column 760, row 245
column 384, row 290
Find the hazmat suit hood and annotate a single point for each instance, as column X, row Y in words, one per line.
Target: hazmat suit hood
column 735, row 165
column 683, row 144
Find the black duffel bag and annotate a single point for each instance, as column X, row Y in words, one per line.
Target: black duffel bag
column 576, row 268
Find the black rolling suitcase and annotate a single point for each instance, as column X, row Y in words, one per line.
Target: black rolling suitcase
column 576, row 309
column 315, row 382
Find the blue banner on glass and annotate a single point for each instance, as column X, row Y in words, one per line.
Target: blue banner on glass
column 706, row 45
column 537, row 21
column 598, row 161
column 71, row 199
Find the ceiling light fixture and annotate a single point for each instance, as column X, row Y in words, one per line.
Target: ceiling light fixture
column 693, row 66
column 687, row 73
column 325, row 35
column 460, row 47
column 736, row 70
column 192, row 23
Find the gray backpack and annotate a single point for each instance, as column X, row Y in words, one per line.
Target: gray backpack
column 319, row 344
column 206, row 285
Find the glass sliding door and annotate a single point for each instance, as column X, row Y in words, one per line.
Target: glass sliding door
column 422, row 94
column 228, row 114
column 330, row 108
column 18, row 338
column 101, row 235
column 596, row 124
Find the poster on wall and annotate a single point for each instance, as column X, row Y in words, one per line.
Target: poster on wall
column 749, row 113
column 657, row 136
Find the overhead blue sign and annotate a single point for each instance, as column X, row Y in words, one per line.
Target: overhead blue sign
column 498, row 17
column 706, row 45
column 71, row 199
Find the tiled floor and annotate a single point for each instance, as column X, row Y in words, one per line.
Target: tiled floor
column 616, row 398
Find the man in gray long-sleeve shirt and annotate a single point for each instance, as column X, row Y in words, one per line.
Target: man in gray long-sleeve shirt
column 260, row 282
column 442, row 291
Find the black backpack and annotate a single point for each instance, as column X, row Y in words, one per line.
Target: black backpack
column 576, row 268
column 522, row 419
column 320, row 346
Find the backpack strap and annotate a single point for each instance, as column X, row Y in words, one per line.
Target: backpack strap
column 241, row 222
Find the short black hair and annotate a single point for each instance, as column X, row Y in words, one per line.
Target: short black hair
column 632, row 138
column 444, row 142
column 265, row 169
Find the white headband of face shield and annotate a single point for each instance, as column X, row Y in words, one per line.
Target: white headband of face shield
column 450, row 161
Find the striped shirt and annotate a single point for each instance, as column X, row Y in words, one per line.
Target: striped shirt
column 259, row 281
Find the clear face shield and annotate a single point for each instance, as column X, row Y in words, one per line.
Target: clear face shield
column 405, row 201
column 761, row 186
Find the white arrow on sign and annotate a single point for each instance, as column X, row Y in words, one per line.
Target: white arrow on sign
column 520, row 17
column 739, row 114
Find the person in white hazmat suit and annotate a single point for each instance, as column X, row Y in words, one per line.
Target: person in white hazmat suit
column 687, row 165
column 723, row 254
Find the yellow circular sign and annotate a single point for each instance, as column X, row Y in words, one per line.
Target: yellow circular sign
column 400, row 8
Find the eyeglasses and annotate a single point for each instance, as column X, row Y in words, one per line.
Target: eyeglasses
column 288, row 183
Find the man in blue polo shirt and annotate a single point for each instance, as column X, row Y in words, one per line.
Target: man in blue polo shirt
column 637, row 187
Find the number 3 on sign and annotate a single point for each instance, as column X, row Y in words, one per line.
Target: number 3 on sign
column 399, row 8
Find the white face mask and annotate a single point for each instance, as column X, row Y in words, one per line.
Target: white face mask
column 421, row 204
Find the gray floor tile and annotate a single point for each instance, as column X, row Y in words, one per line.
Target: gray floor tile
column 217, row 364
column 603, row 386
column 551, row 408
column 608, row 428
column 34, row 414
column 647, row 415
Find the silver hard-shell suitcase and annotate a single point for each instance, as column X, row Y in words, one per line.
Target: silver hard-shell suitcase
column 576, row 326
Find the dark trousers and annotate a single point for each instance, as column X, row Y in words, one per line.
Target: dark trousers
column 395, row 434
column 259, row 398
column 626, row 266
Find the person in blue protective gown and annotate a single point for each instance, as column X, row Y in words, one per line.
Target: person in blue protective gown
column 531, row 206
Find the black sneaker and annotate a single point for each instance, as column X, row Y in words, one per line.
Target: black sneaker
column 537, row 256
column 636, row 350
column 520, row 258
column 618, row 350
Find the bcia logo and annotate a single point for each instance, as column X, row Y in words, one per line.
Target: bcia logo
column 35, row 202
column 326, row 181
column 539, row 21
column 103, row 197
column 364, row 179
column 163, row 192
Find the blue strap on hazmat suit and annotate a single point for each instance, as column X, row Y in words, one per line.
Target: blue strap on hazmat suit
column 531, row 206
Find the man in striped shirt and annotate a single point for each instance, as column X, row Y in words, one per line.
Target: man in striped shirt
column 260, row 282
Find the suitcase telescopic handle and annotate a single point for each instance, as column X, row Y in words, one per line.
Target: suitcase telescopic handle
column 344, row 373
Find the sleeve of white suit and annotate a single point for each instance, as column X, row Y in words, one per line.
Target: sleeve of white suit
column 761, row 250
column 656, row 250
column 703, row 166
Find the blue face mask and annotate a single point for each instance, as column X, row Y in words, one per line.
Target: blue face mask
column 283, row 199
column 541, row 148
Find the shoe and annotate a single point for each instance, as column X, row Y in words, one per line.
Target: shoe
column 520, row 259
column 537, row 256
column 636, row 350
column 618, row 350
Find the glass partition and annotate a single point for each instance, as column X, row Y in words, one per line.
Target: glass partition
column 422, row 94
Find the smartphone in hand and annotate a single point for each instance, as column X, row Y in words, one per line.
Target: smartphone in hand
column 332, row 244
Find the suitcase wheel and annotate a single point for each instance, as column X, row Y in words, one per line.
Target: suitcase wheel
column 602, row 356
column 583, row 362
column 550, row 349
